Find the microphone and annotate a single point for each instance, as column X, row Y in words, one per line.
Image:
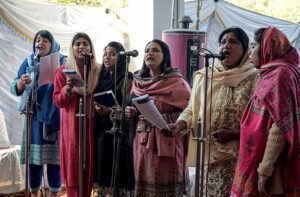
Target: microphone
column 88, row 55
column 220, row 56
column 132, row 53
column 37, row 52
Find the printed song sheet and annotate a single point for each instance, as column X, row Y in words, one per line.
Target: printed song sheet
column 48, row 66
column 72, row 74
column 147, row 108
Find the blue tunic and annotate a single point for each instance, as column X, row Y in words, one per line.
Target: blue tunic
column 44, row 146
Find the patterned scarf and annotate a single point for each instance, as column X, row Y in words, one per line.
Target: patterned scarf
column 231, row 90
column 276, row 100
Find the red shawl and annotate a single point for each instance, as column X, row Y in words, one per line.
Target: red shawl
column 275, row 100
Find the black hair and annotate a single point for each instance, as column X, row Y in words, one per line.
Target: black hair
column 166, row 62
column 85, row 36
column 44, row 34
column 258, row 36
column 240, row 34
column 121, row 60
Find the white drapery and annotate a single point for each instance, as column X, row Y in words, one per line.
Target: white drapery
column 19, row 22
column 216, row 16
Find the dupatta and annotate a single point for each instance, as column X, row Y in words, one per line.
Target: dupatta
column 276, row 100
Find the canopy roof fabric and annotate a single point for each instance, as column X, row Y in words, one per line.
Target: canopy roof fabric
column 19, row 22
column 30, row 16
column 216, row 16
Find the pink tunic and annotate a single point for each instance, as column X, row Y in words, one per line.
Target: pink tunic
column 160, row 163
column 69, row 136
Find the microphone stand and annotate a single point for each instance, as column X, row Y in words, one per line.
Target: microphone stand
column 119, row 132
column 199, row 153
column 82, row 129
column 29, row 115
column 202, row 140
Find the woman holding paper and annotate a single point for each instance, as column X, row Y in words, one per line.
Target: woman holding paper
column 160, row 162
column 113, row 68
column 44, row 145
column 66, row 96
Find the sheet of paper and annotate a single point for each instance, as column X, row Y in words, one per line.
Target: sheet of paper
column 72, row 74
column 48, row 66
column 147, row 108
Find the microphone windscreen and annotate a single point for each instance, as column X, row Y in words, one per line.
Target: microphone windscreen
column 135, row 53
column 222, row 56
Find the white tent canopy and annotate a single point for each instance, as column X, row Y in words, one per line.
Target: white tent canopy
column 63, row 21
column 21, row 19
column 216, row 16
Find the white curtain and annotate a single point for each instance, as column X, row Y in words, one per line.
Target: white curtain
column 19, row 22
column 216, row 16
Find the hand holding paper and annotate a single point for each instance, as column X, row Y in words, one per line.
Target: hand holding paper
column 147, row 108
column 72, row 74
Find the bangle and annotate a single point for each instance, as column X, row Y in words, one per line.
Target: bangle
column 261, row 175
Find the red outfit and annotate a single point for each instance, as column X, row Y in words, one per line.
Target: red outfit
column 69, row 138
column 276, row 100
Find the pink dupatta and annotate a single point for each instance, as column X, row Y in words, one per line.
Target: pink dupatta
column 276, row 100
column 168, row 88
